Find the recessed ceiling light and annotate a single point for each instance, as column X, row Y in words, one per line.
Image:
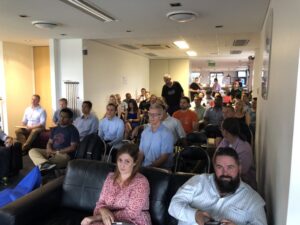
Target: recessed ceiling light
column 23, row 16
column 191, row 53
column 181, row 44
column 182, row 16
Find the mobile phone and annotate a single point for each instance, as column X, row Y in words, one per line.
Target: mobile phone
column 121, row 223
column 213, row 223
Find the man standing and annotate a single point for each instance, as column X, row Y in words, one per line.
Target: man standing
column 34, row 120
column 171, row 92
column 195, row 88
column 61, row 146
column 87, row 123
column 220, row 197
column 187, row 117
column 111, row 128
column 156, row 145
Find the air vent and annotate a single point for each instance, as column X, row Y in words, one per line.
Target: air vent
column 240, row 42
column 175, row 4
column 150, row 54
column 131, row 47
column 156, row 47
column 235, row 52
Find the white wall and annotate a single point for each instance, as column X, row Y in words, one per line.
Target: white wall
column 108, row 70
column 66, row 65
column 178, row 68
column 276, row 118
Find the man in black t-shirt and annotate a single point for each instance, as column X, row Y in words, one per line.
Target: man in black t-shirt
column 194, row 88
column 172, row 93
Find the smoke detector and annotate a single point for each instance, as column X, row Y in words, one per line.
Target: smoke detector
column 44, row 24
column 182, row 16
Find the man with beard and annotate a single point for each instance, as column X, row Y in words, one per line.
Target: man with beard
column 220, row 197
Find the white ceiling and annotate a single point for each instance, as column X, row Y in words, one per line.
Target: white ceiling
column 147, row 21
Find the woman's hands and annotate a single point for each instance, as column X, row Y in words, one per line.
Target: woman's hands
column 106, row 216
column 89, row 220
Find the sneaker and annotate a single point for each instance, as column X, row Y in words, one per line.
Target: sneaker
column 46, row 166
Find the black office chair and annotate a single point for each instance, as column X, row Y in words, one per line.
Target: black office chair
column 196, row 138
column 192, row 159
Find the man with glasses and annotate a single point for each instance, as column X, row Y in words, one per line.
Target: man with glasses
column 156, row 145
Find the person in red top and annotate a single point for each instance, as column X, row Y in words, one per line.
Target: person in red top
column 187, row 117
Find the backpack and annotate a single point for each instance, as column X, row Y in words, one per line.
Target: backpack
column 91, row 147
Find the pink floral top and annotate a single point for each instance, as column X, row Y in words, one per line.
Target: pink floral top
column 129, row 203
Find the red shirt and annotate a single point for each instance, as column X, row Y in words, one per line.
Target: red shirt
column 186, row 118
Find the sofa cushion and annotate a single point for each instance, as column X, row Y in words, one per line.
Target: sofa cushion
column 83, row 183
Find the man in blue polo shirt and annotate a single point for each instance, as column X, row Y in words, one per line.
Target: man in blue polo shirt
column 156, row 147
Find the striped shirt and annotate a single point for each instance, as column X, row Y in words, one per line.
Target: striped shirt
column 243, row 207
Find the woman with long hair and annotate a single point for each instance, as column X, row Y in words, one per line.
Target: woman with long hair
column 240, row 113
column 132, row 117
column 125, row 193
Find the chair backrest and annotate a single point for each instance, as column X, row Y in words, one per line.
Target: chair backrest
column 196, row 137
column 91, row 147
column 194, row 159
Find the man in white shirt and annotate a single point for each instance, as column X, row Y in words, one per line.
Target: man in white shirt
column 34, row 122
column 220, row 197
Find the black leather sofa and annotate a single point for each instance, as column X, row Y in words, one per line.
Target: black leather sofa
column 66, row 200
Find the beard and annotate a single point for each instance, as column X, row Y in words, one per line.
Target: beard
column 227, row 184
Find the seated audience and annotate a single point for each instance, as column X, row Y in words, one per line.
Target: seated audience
column 156, row 146
column 220, row 197
column 63, row 104
column 127, row 98
column 61, row 146
column 132, row 117
column 208, row 100
column 34, row 122
column 121, row 106
column 214, row 115
column 6, row 140
column 142, row 96
column 198, row 108
column 87, row 123
column 242, row 115
column 125, row 193
column 187, row 117
column 111, row 127
column 231, row 138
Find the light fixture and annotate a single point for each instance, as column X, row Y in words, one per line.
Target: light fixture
column 191, row 53
column 44, row 24
column 182, row 16
column 181, row 44
column 90, row 9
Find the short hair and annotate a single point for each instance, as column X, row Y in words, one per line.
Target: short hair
column 63, row 100
column 143, row 89
column 232, row 125
column 89, row 103
column 208, row 91
column 37, row 96
column 216, row 79
column 227, row 151
column 186, row 98
column 68, row 112
column 255, row 98
column 133, row 151
column 112, row 105
column 157, row 106
column 168, row 76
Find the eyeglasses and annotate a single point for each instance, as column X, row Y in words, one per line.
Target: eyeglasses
column 153, row 114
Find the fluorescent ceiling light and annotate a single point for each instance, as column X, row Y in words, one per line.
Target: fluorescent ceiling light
column 181, row 44
column 90, row 9
column 191, row 53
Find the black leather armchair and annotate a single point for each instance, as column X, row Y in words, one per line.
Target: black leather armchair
column 68, row 199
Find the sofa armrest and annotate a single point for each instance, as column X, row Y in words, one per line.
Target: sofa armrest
column 33, row 206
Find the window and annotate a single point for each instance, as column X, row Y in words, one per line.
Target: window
column 217, row 75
